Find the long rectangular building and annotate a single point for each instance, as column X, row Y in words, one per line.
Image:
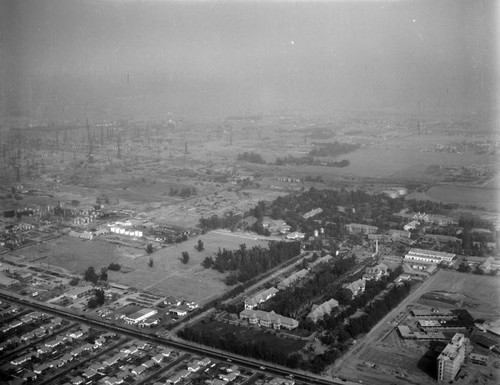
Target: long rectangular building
column 429, row 256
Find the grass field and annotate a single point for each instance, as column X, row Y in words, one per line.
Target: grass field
column 73, row 254
column 191, row 281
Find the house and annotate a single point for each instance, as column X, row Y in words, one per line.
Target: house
column 178, row 311
column 158, row 358
column 375, row 272
column 318, row 311
column 79, row 292
column 204, row 362
column 412, row 225
column 193, row 366
column 356, row 287
column 166, row 352
column 252, row 302
column 228, row 377
column 139, row 370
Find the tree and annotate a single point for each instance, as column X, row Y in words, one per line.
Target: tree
column 150, row 263
column 104, row 274
column 200, row 246
column 149, row 248
column 208, row 262
column 114, row 266
column 74, row 281
column 185, row 257
column 90, row 275
column 100, row 297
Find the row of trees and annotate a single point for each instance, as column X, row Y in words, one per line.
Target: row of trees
column 332, row 149
column 216, row 222
column 323, row 286
column 249, row 263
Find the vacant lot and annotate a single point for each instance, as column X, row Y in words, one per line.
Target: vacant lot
column 479, row 294
column 191, row 281
column 74, row 254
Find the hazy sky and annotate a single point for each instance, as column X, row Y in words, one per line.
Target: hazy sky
column 214, row 58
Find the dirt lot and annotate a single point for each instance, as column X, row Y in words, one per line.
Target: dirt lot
column 400, row 362
column 75, row 255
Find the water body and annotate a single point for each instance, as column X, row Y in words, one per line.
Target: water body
column 488, row 198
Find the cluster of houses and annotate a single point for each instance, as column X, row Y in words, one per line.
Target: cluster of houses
column 29, row 318
column 48, row 347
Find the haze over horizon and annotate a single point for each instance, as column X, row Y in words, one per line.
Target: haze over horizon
column 65, row 59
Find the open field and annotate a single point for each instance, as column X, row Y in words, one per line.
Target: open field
column 74, row 254
column 400, row 362
column 191, row 281
column 479, row 294
column 169, row 276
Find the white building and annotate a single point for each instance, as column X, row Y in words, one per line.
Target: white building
column 139, row 316
column 429, row 256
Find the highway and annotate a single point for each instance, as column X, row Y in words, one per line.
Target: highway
column 249, row 363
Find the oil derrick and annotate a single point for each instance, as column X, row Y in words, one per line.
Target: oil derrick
column 18, row 173
column 91, row 144
column 118, row 145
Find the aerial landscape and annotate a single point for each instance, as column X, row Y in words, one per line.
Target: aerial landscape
column 249, row 192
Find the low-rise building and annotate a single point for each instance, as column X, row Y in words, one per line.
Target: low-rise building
column 429, row 256
column 292, row 279
column 139, row 316
column 269, row 319
column 252, row 302
column 361, row 228
column 319, row 311
column 357, row 287
column 79, row 292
